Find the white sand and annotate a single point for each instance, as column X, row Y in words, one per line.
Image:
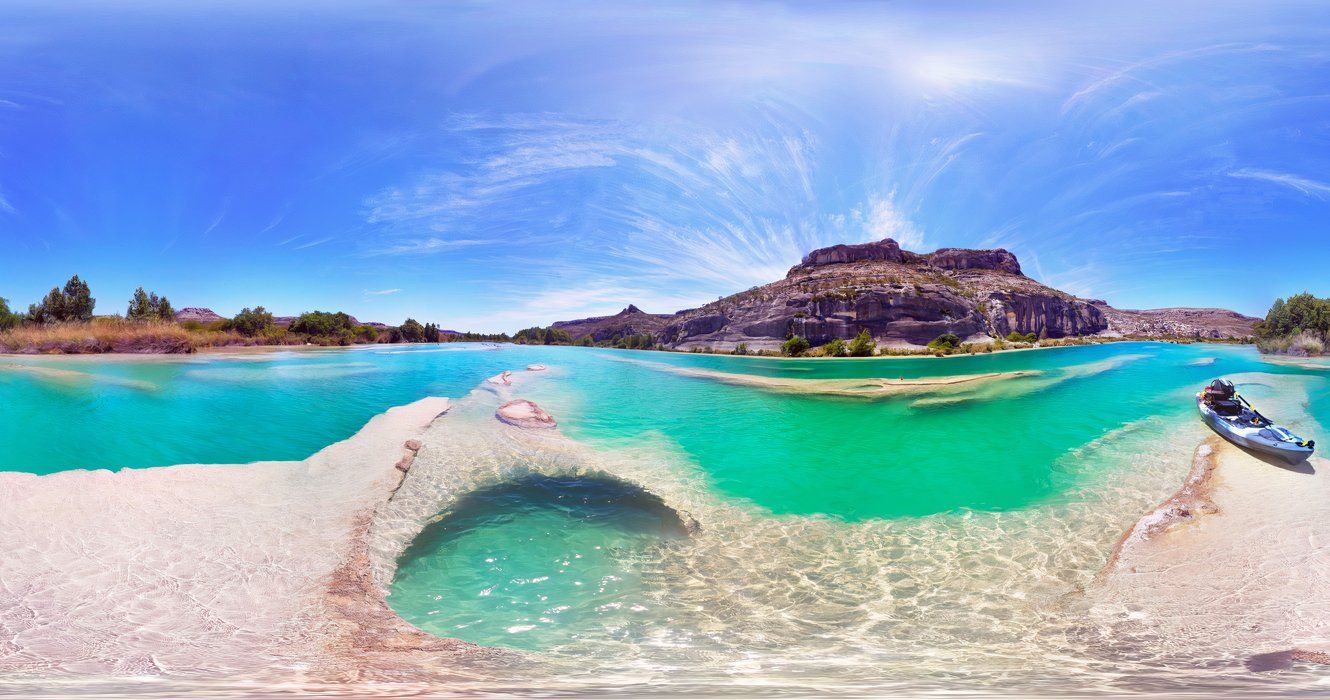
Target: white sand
column 1251, row 578
column 191, row 570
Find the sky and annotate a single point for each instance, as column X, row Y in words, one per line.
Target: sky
column 490, row 166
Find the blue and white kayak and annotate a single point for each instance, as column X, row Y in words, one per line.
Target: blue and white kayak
column 1237, row 421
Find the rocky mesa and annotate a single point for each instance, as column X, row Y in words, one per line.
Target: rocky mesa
column 903, row 299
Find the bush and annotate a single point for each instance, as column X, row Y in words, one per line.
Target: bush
column 835, row 348
column 863, row 345
column 795, row 346
column 741, row 349
column 323, row 323
column 945, row 342
column 1022, row 338
column 250, row 323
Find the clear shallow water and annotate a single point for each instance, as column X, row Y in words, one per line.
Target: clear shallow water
column 844, row 544
column 536, row 562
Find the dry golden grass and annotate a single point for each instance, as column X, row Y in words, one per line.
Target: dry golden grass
column 113, row 334
column 98, row 335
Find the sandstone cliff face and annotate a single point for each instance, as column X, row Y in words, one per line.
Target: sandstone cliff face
column 900, row 297
column 630, row 321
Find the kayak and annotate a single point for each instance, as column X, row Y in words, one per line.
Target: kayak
column 1230, row 415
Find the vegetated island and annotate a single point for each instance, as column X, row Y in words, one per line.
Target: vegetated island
column 878, row 299
column 858, row 300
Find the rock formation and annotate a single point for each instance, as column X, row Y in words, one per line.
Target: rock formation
column 197, row 313
column 900, row 297
column 1178, row 322
column 630, row 321
column 524, row 414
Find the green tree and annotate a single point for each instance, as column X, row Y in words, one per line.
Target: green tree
column 586, row 341
column 8, row 319
column 411, row 331
column 431, row 333
column 863, row 345
column 164, row 310
column 835, row 348
column 140, row 306
column 322, row 323
column 78, row 301
column 1301, row 312
column 795, row 346
column 251, row 322
column 741, row 349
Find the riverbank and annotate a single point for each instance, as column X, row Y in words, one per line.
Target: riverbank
column 204, row 571
column 1237, row 562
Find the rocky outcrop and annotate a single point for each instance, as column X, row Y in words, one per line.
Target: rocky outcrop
column 197, row 313
column 885, row 250
column 1178, row 322
column 899, row 297
column 525, row 414
column 967, row 259
column 630, row 321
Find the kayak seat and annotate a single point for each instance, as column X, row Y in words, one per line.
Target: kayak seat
column 1225, row 407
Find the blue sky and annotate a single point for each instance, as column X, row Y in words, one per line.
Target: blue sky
column 493, row 165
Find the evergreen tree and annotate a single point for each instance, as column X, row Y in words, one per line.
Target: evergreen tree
column 78, row 302
column 140, row 306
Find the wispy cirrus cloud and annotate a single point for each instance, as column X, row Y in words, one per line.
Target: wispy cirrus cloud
column 380, row 292
column 1305, row 185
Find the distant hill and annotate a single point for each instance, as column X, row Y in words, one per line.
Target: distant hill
column 1178, row 322
column 903, row 299
column 196, row 313
column 630, row 321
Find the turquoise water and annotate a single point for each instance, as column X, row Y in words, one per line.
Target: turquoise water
column 879, row 532
column 536, row 562
column 845, row 457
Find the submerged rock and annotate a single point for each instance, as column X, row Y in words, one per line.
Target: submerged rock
column 504, row 378
column 524, row 414
column 536, row 368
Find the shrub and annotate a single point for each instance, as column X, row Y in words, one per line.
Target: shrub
column 741, row 349
column 1022, row 338
column 835, row 348
column 250, row 323
column 945, row 342
column 322, row 323
column 795, row 346
column 863, row 345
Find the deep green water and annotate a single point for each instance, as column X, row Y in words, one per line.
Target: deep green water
column 534, row 565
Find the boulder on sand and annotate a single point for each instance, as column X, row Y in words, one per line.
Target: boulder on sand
column 524, row 414
column 503, row 379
